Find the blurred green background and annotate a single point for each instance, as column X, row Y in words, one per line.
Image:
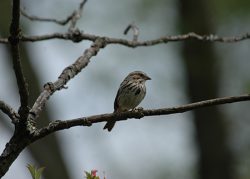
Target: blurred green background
column 211, row 143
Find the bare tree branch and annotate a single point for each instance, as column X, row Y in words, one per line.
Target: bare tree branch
column 88, row 121
column 23, row 137
column 14, row 42
column 129, row 43
column 67, row 74
column 8, row 110
column 24, row 133
column 74, row 16
column 80, row 36
column 43, row 19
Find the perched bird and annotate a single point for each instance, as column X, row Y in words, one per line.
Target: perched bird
column 130, row 94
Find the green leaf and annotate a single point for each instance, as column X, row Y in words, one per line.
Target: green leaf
column 88, row 175
column 31, row 170
column 35, row 172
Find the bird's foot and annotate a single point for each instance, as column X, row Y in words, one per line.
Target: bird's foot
column 138, row 110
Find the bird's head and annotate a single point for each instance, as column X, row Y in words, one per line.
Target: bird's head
column 138, row 76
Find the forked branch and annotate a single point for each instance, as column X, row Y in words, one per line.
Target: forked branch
column 73, row 17
column 14, row 42
column 67, row 74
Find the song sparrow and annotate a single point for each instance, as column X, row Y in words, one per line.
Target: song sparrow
column 131, row 92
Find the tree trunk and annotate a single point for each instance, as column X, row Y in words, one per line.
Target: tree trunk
column 215, row 159
column 46, row 152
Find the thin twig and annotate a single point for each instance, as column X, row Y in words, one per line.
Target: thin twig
column 87, row 121
column 73, row 17
column 134, row 29
column 76, row 16
column 8, row 110
column 43, row 19
column 14, row 42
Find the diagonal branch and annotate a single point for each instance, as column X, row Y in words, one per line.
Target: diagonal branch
column 14, row 42
column 8, row 110
column 88, row 121
column 67, row 74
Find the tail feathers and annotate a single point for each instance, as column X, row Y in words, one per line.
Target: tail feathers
column 109, row 125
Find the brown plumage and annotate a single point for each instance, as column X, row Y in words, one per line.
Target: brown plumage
column 130, row 94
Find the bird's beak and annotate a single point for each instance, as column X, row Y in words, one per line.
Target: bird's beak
column 147, row 78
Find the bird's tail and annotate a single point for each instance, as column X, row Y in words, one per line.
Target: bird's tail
column 109, row 125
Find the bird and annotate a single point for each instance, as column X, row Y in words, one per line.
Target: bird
column 131, row 92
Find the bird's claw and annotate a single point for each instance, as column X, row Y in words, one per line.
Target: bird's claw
column 138, row 110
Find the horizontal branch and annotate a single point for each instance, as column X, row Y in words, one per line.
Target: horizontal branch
column 88, row 121
column 80, row 36
column 131, row 43
column 134, row 43
column 8, row 110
